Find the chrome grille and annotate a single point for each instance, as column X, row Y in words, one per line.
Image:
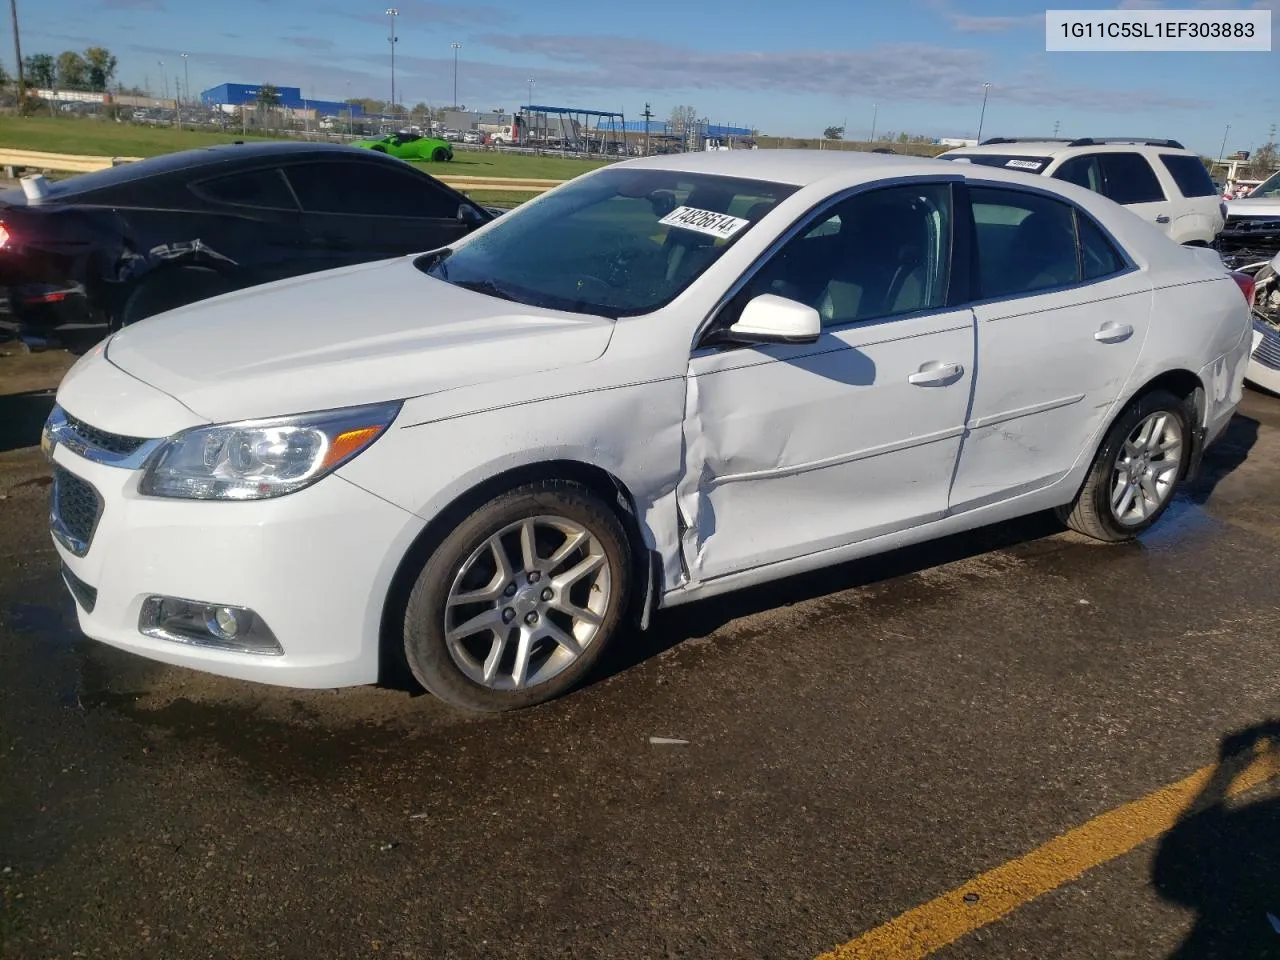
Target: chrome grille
column 74, row 512
column 1268, row 350
column 84, row 594
column 110, row 442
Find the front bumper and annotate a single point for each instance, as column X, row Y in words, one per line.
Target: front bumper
column 315, row 565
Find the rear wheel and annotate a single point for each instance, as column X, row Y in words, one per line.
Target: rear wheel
column 1136, row 470
column 440, row 155
column 519, row 602
column 169, row 289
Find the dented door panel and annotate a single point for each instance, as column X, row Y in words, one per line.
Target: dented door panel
column 794, row 449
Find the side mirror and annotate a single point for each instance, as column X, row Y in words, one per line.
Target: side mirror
column 469, row 215
column 772, row 319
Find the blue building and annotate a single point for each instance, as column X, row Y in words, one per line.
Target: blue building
column 242, row 94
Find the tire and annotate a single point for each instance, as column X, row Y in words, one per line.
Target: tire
column 440, row 155
column 1092, row 512
column 378, row 149
column 171, row 288
column 458, row 672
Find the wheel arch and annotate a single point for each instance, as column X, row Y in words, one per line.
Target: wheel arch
column 612, row 490
column 1188, row 387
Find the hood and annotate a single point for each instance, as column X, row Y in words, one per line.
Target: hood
column 364, row 334
column 1254, row 207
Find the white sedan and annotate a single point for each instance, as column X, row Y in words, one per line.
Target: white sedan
column 667, row 379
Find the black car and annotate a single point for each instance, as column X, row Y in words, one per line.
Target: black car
column 121, row 244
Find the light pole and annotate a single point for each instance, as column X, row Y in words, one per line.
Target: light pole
column 164, row 80
column 456, row 47
column 531, row 91
column 17, row 52
column 875, row 109
column 392, row 12
column 1223, row 149
column 186, row 87
column 983, row 115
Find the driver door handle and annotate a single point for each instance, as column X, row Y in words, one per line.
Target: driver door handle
column 1112, row 332
column 936, row 373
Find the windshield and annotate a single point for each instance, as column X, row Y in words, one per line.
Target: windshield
column 617, row 243
column 1026, row 164
column 1269, row 187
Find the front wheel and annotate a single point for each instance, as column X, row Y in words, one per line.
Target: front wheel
column 519, row 602
column 1136, row 470
column 440, row 155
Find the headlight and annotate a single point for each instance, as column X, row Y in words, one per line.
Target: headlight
column 256, row 459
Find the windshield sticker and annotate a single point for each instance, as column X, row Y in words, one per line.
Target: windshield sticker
column 1025, row 164
column 705, row 221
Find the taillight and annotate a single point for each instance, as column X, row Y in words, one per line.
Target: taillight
column 1246, row 284
column 4, row 235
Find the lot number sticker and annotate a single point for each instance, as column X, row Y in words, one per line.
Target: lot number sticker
column 704, row 221
column 1025, row 164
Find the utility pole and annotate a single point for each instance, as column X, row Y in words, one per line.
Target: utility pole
column 648, row 115
column 392, row 12
column 17, row 52
column 164, row 80
column 875, row 109
column 1055, row 127
column 983, row 115
column 456, row 47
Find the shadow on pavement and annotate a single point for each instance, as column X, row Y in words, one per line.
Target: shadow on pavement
column 22, row 415
column 701, row 618
column 1224, row 862
column 1228, row 453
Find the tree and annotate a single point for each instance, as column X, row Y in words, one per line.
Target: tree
column 833, row 133
column 41, row 70
column 73, row 71
column 904, row 137
column 1262, row 162
column 101, row 67
column 268, row 95
column 683, row 119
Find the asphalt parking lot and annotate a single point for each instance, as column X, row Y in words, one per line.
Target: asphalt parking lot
column 987, row 747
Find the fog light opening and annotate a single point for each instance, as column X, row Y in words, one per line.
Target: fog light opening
column 222, row 626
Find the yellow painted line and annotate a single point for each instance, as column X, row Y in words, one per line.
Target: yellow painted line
column 931, row 926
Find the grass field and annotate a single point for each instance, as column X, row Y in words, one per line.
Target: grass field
column 109, row 139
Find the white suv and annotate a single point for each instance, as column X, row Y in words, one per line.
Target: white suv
column 1159, row 180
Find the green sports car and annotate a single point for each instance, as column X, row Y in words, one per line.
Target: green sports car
column 410, row 146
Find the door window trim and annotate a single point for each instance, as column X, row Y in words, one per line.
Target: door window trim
column 1130, row 266
column 809, row 219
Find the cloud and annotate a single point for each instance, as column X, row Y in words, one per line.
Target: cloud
column 969, row 24
column 902, row 72
column 413, row 12
column 133, row 4
column 311, row 43
column 974, row 23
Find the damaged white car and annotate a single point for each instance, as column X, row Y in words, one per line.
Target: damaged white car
column 667, row 379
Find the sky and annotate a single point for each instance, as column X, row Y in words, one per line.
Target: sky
column 788, row 69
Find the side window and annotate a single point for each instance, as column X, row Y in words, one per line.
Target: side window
column 1130, row 178
column 265, row 189
column 1082, row 171
column 876, row 254
column 1098, row 257
column 1189, row 174
column 368, row 189
column 1025, row 242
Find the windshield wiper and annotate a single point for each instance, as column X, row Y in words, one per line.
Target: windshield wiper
column 432, row 264
column 484, row 286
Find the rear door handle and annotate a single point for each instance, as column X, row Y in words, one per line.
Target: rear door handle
column 936, row 373
column 1163, row 218
column 1112, row 332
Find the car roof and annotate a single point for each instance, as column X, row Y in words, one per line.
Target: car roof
column 170, row 163
column 796, row 167
column 1056, row 148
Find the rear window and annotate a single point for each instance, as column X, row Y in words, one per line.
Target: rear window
column 1189, row 174
column 1004, row 161
column 1130, row 178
